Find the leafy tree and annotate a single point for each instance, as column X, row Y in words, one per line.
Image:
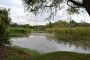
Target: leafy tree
column 50, row 25
column 73, row 23
column 60, row 23
column 13, row 24
column 26, row 25
column 4, row 23
column 84, row 24
column 73, row 5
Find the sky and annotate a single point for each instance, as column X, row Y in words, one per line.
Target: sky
column 19, row 16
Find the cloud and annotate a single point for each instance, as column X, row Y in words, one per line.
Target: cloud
column 10, row 3
column 19, row 16
column 17, row 12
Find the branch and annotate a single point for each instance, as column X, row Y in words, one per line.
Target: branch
column 71, row 6
column 76, row 3
column 49, row 6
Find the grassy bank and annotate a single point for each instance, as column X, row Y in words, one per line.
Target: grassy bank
column 19, row 31
column 30, row 52
column 77, row 33
column 8, row 53
column 64, row 56
column 17, row 53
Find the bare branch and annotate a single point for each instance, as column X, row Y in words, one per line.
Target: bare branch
column 72, row 6
column 76, row 3
column 49, row 6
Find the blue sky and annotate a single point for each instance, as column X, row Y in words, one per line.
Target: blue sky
column 19, row 16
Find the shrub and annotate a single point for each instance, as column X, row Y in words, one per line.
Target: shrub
column 4, row 23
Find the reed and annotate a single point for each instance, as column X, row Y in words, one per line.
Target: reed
column 77, row 33
column 19, row 32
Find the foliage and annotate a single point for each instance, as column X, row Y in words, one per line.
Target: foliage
column 71, row 34
column 73, row 10
column 4, row 23
column 20, row 26
column 52, row 6
column 61, row 24
column 71, row 23
column 49, row 25
column 19, row 32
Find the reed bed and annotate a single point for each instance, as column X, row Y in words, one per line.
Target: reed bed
column 19, row 32
column 77, row 33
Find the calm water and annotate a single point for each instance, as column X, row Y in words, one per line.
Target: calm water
column 47, row 43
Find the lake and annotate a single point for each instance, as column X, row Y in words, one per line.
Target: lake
column 46, row 43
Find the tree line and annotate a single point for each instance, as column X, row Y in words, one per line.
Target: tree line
column 71, row 23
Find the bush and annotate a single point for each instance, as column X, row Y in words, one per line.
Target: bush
column 4, row 23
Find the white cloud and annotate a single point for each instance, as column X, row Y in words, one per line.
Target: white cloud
column 17, row 12
column 19, row 16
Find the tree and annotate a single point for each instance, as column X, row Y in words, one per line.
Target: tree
column 61, row 23
column 50, row 25
column 13, row 24
column 85, row 4
column 37, row 5
column 27, row 25
column 4, row 23
column 84, row 24
column 73, row 23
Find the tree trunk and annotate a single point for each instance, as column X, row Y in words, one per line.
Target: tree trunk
column 87, row 5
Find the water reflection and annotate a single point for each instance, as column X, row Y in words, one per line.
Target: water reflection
column 84, row 44
column 48, row 43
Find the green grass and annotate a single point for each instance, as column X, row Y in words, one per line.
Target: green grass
column 63, row 56
column 28, row 51
column 77, row 33
column 15, row 32
column 10, row 53
column 31, row 54
column 54, row 55
column 19, row 53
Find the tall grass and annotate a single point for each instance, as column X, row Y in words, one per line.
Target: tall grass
column 18, row 31
column 77, row 33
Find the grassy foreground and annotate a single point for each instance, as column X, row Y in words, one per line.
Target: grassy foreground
column 8, row 53
column 18, row 53
column 64, row 56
